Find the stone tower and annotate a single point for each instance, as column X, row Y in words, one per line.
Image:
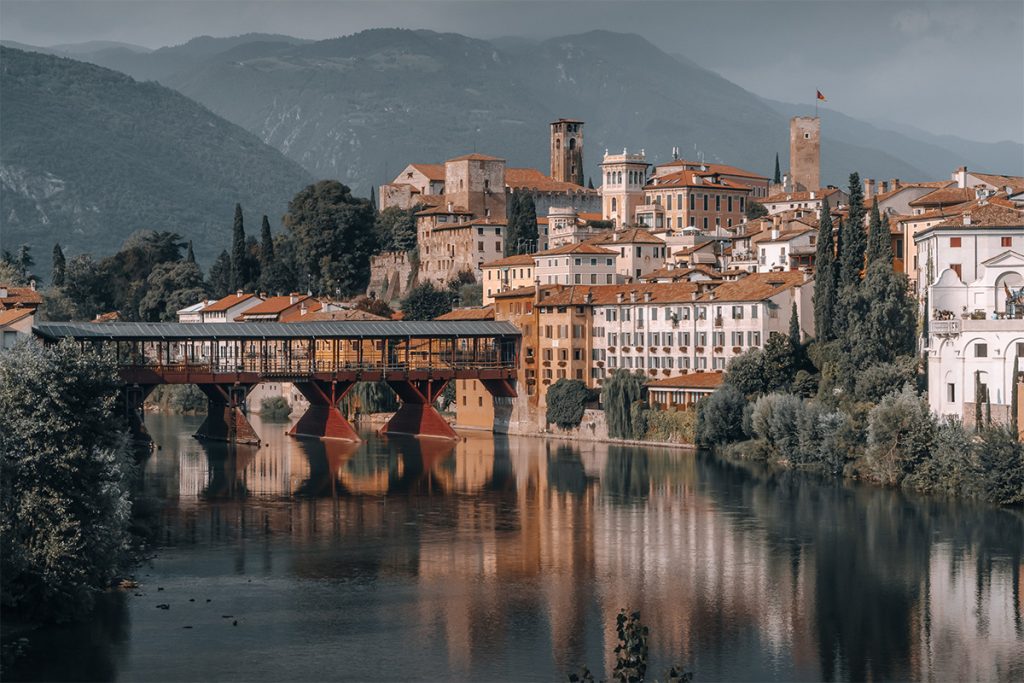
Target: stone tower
column 476, row 183
column 805, row 153
column 622, row 188
column 567, row 151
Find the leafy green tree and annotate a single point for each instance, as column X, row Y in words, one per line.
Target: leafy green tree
column 370, row 397
column 1001, row 458
column 882, row 318
column 64, row 482
column 169, row 288
column 86, row 286
column 720, row 416
column 396, row 229
column 220, row 276
column 334, row 237
column 374, row 306
column 59, row 266
column 901, row 435
column 239, row 255
column 782, row 360
column 426, row 302
column 746, row 373
column 10, row 274
column 567, row 399
column 755, row 210
column 618, row 394
column 281, row 276
column 854, row 239
column 778, row 171
column 825, row 278
column 521, row 236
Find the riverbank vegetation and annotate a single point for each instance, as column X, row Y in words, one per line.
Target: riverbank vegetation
column 65, row 508
column 851, row 403
column 275, row 409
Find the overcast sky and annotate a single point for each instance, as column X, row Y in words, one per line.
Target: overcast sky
column 942, row 66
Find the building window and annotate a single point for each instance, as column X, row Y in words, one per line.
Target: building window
column 981, row 350
column 718, row 202
column 705, row 204
column 951, row 392
column 1006, row 241
column 955, row 267
column 1020, row 349
column 954, row 242
column 693, row 201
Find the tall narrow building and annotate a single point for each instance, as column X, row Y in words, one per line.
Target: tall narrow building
column 567, row 151
column 805, row 153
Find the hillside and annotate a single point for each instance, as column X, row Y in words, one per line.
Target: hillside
column 88, row 155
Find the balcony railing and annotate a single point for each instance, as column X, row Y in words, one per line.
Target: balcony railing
column 944, row 327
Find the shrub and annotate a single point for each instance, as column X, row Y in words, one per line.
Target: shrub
column 638, row 414
column 567, row 399
column 426, row 302
column 673, row 426
column 952, row 467
column 370, row 397
column 65, row 467
column 720, row 416
column 874, row 382
column 901, row 435
column 775, row 419
column 1001, row 458
column 275, row 409
column 620, row 391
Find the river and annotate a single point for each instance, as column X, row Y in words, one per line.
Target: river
column 508, row 558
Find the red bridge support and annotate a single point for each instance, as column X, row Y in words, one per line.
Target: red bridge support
column 417, row 415
column 323, row 419
column 225, row 414
column 134, row 395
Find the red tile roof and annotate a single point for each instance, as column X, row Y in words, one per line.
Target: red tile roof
column 755, row 287
column 695, row 380
column 516, row 260
column 227, row 302
column 686, row 178
column 278, row 305
column 985, row 216
column 799, row 196
column 469, row 313
column 9, row 316
column 578, row 248
column 24, row 296
column 603, row 295
column 343, row 314
column 532, row 179
column 631, row 236
column 723, row 169
column 476, row 157
column 945, row 196
column 433, row 172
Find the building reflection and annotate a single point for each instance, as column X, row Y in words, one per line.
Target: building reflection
column 535, row 545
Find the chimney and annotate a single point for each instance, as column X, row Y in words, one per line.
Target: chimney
column 894, row 184
column 775, row 233
column 960, row 176
column 812, row 194
column 967, row 217
column 536, row 291
column 3, row 291
column 293, row 297
column 632, row 296
column 647, row 297
column 303, row 309
column 239, row 294
column 449, row 207
column 619, row 296
column 588, row 297
column 695, row 293
column 869, row 188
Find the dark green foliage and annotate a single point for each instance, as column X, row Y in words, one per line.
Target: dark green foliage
column 521, row 236
column 567, row 399
column 239, row 259
column 370, row 397
column 266, row 246
column 746, row 373
column 618, row 394
column 169, row 288
column 777, row 178
column 334, row 237
column 282, row 274
column 901, row 435
column 755, row 210
column 129, row 154
column 59, row 266
column 590, row 183
column 1001, row 458
column 275, row 409
column 877, row 380
column 794, row 327
column 854, row 239
column 1014, row 396
column 720, row 416
column 396, row 229
column 631, row 651
column 85, row 286
column 220, row 276
column 190, row 255
column 426, row 302
column 180, row 399
column 448, row 396
column 374, row 306
column 825, row 278
column 66, row 467
column 879, row 240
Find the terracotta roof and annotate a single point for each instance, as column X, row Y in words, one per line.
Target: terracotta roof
column 431, row 171
column 110, row 317
column 532, row 179
column 26, row 296
column 755, row 287
column 632, row 236
column 516, row 260
column 788, row 235
column 677, row 273
column 604, row 295
column 695, row 380
column 514, row 293
column 579, row 248
column 799, row 196
column 476, row 157
column 945, row 196
column 227, row 302
column 343, row 314
column 723, row 169
column 13, row 315
column 277, row 305
column 469, row 313
column 1016, row 183
column 687, row 178
column 985, row 216
column 442, row 209
column 483, row 222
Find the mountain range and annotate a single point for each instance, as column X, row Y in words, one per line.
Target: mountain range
column 89, row 155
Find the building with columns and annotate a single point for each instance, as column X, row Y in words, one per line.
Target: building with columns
column 622, row 187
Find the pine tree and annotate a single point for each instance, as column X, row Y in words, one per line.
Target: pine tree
column 25, row 260
column 239, row 276
column 854, row 240
column 778, row 171
column 825, row 293
column 266, row 246
column 59, row 265
column 794, row 327
column 190, row 256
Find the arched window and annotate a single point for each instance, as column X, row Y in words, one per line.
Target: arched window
column 613, row 204
column 572, row 143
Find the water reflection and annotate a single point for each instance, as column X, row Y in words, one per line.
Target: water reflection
column 498, row 558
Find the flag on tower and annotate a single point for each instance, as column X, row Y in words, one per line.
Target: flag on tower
column 820, row 96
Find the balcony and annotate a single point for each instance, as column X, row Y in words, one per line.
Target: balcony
column 940, row 328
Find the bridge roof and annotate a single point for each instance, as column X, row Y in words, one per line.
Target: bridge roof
column 344, row 329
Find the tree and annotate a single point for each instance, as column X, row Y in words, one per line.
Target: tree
column 720, row 416
column 25, row 260
column 169, row 288
column 266, row 247
column 426, row 302
column 282, row 274
column 65, row 468
column 778, row 172
column 854, row 240
column 10, row 274
column 59, row 266
column 86, row 286
column 618, row 394
column 879, row 241
column 239, row 260
column 190, row 255
column 375, row 306
column 794, row 327
column 755, row 210
column 373, row 199
column 521, row 236
column 825, row 278
column 590, row 183
column 220, row 276
column 396, row 229
column 746, row 373
column 567, row 399
column 1014, row 398
column 334, row 237
column 881, row 317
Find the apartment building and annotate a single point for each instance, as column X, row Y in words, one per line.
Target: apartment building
column 506, row 274
column 808, row 200
column 974, row 278
column 639, row 252
column 576, row 264
column 757, row 183
column 699, row 199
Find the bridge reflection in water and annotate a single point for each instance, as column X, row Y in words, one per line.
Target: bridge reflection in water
column 322, row 359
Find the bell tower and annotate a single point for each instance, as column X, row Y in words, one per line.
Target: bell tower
column 567, row 151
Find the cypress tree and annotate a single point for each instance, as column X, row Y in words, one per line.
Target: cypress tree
column 854, row 240
column 879, row 242
column 825, row 293
column 220, row 275
column 190, row 256
column 266, row 246
column 1014, row 401
column 59, row 265
column 979, row 398
column 373, row 200
column 239, row 276
column 590, row 183
column 778, row 171
column 794, row 327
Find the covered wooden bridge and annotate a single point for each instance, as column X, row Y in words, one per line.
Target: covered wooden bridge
column 323, row 359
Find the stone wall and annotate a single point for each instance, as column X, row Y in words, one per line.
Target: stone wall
column 392, row 275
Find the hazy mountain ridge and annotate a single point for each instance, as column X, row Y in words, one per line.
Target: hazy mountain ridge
column 89, row 155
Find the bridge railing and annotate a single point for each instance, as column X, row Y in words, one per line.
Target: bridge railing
column 308, row 366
